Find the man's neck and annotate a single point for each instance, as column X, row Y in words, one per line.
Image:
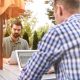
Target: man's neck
column 14, row 39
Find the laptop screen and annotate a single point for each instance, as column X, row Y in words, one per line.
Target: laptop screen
column 23, row 56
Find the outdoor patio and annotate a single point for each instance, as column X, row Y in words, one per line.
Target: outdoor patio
column 11, row 72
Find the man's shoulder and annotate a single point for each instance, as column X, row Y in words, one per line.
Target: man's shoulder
column 58, row 29
column 6, row 38
column 62, row 25
column 22, row 40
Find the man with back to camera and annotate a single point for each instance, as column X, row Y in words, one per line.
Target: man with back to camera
column 59, row 46
column 14, row 42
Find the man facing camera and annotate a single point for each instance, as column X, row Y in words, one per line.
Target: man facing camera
column 14, row 41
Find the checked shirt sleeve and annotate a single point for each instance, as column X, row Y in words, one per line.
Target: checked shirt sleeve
column 49, row 51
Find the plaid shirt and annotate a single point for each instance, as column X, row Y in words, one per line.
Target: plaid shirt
column 59, row 47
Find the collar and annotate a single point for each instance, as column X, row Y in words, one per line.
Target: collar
column 18, row 41
column 74, row 17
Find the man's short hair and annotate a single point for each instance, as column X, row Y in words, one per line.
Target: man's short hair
column 16, row 22
column 69, row 4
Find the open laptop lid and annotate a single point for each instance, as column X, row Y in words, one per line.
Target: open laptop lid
column 23, row 56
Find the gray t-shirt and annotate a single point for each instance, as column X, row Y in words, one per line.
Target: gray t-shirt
column 9, row 46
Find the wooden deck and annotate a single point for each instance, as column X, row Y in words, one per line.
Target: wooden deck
column 11, row 72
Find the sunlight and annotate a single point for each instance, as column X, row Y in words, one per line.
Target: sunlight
column 39, row 10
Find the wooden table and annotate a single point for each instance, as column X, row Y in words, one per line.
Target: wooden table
column 11, row 72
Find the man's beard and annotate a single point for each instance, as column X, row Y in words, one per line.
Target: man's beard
column 16, row 35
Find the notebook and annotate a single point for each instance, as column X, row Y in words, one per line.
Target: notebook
column 23, row 56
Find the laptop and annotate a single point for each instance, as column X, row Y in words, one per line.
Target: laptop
column 23, row 56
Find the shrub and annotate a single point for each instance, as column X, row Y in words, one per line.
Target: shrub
column 35, row 41
column 25, row 36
